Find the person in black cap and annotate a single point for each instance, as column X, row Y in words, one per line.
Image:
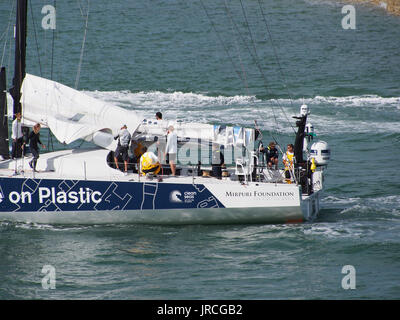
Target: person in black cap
column 160, row 145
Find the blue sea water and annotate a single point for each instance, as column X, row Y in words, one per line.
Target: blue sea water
column 203, row 65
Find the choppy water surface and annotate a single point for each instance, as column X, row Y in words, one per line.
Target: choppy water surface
column 165, row 55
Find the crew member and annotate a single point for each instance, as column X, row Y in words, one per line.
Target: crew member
column 171, row 149
column 149, row 163
column 124, row 138
column 34, row 139
column 272, row 155
column 17, row 137
column 288, row 160
column 217, row 161
column 160, row 144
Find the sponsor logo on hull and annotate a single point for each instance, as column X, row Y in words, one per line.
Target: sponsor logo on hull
column 23, row 195
column 256, row 193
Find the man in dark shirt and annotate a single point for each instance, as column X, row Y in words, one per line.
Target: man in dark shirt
column 34, row 139
column 272, row 155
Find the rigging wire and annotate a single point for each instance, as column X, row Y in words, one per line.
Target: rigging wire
column 83, row 46
column 52, row 46
column 36, row 40
column 80, row 8
column 221, row 41
column 253, row 55
column 234, row 26
column 275, row 53
column 258, row 64
column 9, row 56
column 50, row 136
column 240, row 57
column 5, row 34
column 254, row 58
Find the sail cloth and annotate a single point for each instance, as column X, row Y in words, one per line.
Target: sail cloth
column 71, row 114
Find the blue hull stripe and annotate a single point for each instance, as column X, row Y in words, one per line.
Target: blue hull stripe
column 26, row 194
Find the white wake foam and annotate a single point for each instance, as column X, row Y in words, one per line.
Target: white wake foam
column 329, row 115
column 338, row 230
column 175, row 99
column 349, row 101
column 389, row 205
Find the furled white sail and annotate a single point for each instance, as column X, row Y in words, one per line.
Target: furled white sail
column 70, row 114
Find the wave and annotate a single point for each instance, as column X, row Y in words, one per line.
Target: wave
column 385, row 206
column 171, row 99
column 338, row 230
column 329, row 115
column 332, row 200
column 354, row 217
column 349, row 101
column 37, row 226
column 190, row 99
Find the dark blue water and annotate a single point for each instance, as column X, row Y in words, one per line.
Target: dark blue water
column 165, row 55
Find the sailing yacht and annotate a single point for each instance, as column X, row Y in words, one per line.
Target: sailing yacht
column 83, row 186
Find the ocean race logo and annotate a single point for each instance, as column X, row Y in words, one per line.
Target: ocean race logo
column 188, row 196
column 175, row 196
column 83, row 195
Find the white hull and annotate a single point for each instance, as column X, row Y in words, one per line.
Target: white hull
column 52, row 197
column 163, row 217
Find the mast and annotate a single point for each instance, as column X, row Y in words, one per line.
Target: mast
column 4, row 152
column 20, row 54
column 299, row 141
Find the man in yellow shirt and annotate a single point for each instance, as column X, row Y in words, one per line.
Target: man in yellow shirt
column 288, row 160
column 149, row 163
